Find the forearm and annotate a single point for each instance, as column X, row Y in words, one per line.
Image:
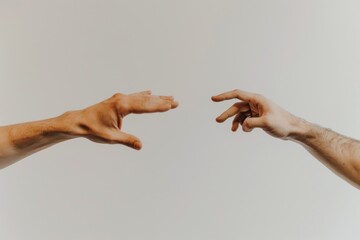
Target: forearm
column 341, row 154
column 99, row 123
column 21, row 140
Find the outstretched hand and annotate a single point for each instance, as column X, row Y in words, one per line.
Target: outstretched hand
column 102, row 122
column 256, row 111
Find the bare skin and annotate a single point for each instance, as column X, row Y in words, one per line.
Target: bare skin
column 339, row 153
column 99, row 123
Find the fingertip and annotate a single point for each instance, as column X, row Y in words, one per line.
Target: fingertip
column 215, row 98
column 219, row 120
column 137, row 145
column 170, row 102
column 234, row 127
column 174, row 104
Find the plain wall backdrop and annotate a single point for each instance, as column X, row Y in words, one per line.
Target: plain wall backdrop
column 194, row 179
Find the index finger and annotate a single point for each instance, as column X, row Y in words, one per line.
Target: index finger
column 151, row 104
column 234, row 94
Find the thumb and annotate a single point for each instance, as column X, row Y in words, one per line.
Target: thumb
column 128, row 140
column 250, row 123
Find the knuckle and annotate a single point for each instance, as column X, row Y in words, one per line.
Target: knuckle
column 129, row 143
column 252, row 99
column 258, row 96
column 255, row 97
column 117, row 95
column 237, row 105
column 120, row 101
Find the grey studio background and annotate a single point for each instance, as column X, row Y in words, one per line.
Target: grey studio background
column 194, row 179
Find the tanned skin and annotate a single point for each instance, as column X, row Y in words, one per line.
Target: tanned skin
column 339, row 153
column 102, row 123
column 99, row 123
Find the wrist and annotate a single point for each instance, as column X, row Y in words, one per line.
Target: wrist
column 301, row 130
column 69, row 125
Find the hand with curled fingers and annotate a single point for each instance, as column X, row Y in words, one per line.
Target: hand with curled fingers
column 256, row 111
column 102, row 122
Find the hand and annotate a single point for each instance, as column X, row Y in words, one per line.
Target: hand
column 102, row 122
column 256, row 111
